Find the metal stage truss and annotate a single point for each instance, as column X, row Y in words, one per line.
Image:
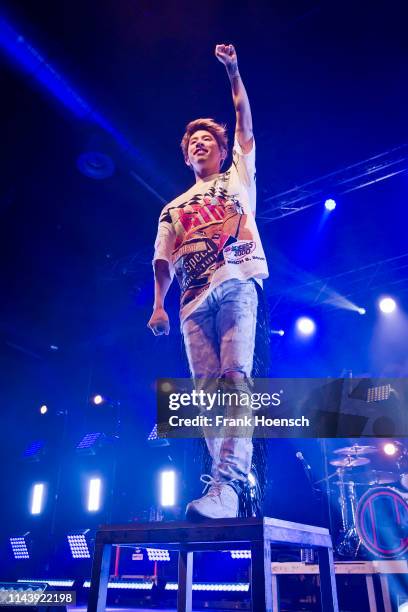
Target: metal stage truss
column 351, row 178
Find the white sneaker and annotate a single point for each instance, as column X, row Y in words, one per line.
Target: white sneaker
column 220, row 501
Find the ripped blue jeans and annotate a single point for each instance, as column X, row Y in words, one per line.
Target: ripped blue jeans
column 219, row 337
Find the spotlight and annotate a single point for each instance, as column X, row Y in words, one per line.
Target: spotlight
column 390, row 449
column 166, row 387
column 98, row 399
column 43, row 409
column 34, row 450
column 90, row 442
column 330, row 204
column 240, row 554
column 37, row 498
column 94, row 494
column 79, row 544
column 305, row 326
column 387, row 305
column 167, row 488
column 361, row 311
column 278, row 332
column 145, row 585
column 19, row 546
column 154, row 440
column 158, row 554
column 212, row 586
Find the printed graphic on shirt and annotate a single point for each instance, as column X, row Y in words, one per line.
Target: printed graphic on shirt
column 240, row 249
column 208, row 227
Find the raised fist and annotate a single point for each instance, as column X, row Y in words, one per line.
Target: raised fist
column 226, row 54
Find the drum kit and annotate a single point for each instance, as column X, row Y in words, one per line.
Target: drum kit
column 373, row 503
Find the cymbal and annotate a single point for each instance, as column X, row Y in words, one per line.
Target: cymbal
column 373, row 477
column 350, row 481
column 350, row 462
column 379, row 477
column 356, row 449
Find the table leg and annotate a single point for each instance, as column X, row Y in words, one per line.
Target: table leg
column 372, row 603
column 385, row 591
column 328, row 590
column 99, row 577
column 185, row 581
column 261, row 578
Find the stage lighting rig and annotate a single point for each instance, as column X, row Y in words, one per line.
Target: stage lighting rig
column 80, row 544
column 20, row 546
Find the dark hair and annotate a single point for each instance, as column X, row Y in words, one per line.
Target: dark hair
column 218, row 130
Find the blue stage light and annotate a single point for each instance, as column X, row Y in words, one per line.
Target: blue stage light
column 158, row 554
column 330, row 204
column 43, row 409
column 37, row 498
column 144, row 585
column 387, row 305
column 78, row 544
column 167, row 488
column 98, row 399
column 19, row 546
column 94, row 494
column 361, row 311
column 277, row 332
column 58, row 582
column 152, row 437
column 212, row 586
column 390, row 449
column 89, row 440
column 34, row 449
column 154, row 440
column 305, row 326
column 240, row 554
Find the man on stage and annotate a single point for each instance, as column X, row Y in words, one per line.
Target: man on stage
column 208, row 238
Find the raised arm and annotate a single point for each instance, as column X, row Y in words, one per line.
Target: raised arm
column 226, row 54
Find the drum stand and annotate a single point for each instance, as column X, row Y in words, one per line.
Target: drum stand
column 349, row 543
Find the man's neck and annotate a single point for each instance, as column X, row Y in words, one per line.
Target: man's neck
column 204, row 173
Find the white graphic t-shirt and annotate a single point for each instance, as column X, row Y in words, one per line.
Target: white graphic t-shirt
column 209, row 234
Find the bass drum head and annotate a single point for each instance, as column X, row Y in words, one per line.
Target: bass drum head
column 382, row 522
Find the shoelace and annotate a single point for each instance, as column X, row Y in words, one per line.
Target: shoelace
column 212, row 486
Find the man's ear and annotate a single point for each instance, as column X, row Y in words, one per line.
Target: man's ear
column 224, row 154
column 187, row 161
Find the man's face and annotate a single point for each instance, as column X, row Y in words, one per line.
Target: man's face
column 204, row 152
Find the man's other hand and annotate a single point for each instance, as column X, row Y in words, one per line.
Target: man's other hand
column 227, row 55
column 159, row 322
